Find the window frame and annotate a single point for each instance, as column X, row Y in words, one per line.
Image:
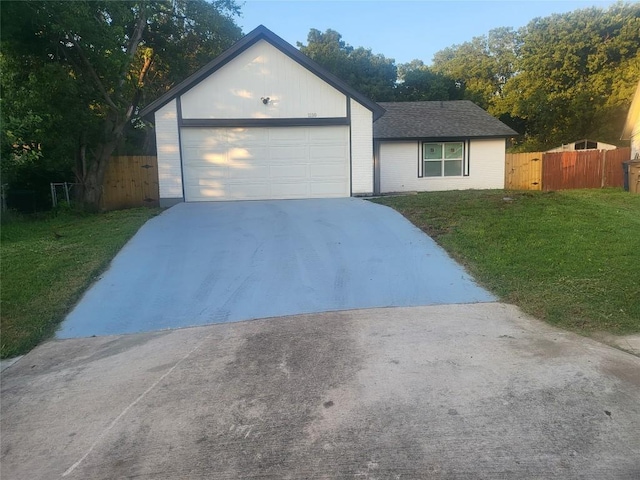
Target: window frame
column 463, row 159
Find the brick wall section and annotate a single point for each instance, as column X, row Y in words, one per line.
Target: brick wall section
column 168, row 146
column 399, row 168
column 361, row 149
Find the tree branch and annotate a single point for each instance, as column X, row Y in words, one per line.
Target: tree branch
column 144, row 70
column 137, row 32
column 134, row 43
column 92, row 72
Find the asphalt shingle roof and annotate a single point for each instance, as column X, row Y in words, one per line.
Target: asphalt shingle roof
column 446, row 119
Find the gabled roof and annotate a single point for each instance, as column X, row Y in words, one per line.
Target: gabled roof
column 440, row 119
column 261, row 33
column 633, row 116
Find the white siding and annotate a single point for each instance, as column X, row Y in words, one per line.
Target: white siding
column 361, row 149
column 399, row 168
column 487, row 163
column 236, row 89
column 635, row 141
column 169, row 171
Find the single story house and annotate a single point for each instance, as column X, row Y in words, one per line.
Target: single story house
column 431, row 146
column 632, row 125
column 584, row 144
column 263, row 121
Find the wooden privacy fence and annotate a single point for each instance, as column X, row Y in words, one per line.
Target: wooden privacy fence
column 565, row 170
column 131, row 182
column 523, row 171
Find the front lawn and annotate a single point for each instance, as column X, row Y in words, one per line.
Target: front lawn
column 47, row 264
column 570, row 257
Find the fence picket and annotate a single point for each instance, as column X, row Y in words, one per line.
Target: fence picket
column 523, row 171
column 565, row 170
column 131, row 182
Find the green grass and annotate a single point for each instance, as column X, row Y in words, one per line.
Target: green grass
column 570, row 257
column 47, row 263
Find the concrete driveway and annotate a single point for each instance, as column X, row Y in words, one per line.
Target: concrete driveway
column 438, row 392
column 202, row 263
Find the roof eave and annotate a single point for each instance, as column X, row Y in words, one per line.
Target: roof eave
column 445, row 137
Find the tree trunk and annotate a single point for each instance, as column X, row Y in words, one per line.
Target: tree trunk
column 118, row 118
column 93, row 182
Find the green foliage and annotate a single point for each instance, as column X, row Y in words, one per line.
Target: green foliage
column 36, row 101
column 81, row 69
column 18, row 149
column 418, row 82
column 183, row 36
column 48, row 262
column 576, row 76
column 371, row 74
column 559, row 79
column 481, row 67
column 564, row 257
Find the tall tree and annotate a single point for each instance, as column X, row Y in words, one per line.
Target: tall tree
column 373, row 75
column 482, row 66
column 576, row 75
column 418, row 82
column 109, row 55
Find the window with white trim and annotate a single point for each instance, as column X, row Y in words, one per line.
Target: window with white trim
column 442, row 159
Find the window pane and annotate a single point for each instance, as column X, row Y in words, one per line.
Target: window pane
column 432, row 151
column 432, row 169
column 453, row 150
column 453, row 168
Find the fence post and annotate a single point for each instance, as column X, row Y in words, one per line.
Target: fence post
column 66, row 192
column 543, row 166
column 603, row 174
column 3, row 187
column 54, row 200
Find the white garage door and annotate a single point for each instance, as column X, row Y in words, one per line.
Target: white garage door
column 265, row 163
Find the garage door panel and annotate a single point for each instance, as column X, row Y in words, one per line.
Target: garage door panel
column 288, row 171
column 292, row 190
column 328, row 152
column 325, row 189
column 213, row 139
column 205, row 193
column 197, row 175
column 285, row 154
column 246, row 136
column 204, row 156
column 265, row 163
column 323, row 170
column 205, row 183
column 247, row 155
column 242, row 191
column 328, row 135
column 288, row 136
column 249, row 172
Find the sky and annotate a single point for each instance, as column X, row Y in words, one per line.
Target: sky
column 402, row 30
